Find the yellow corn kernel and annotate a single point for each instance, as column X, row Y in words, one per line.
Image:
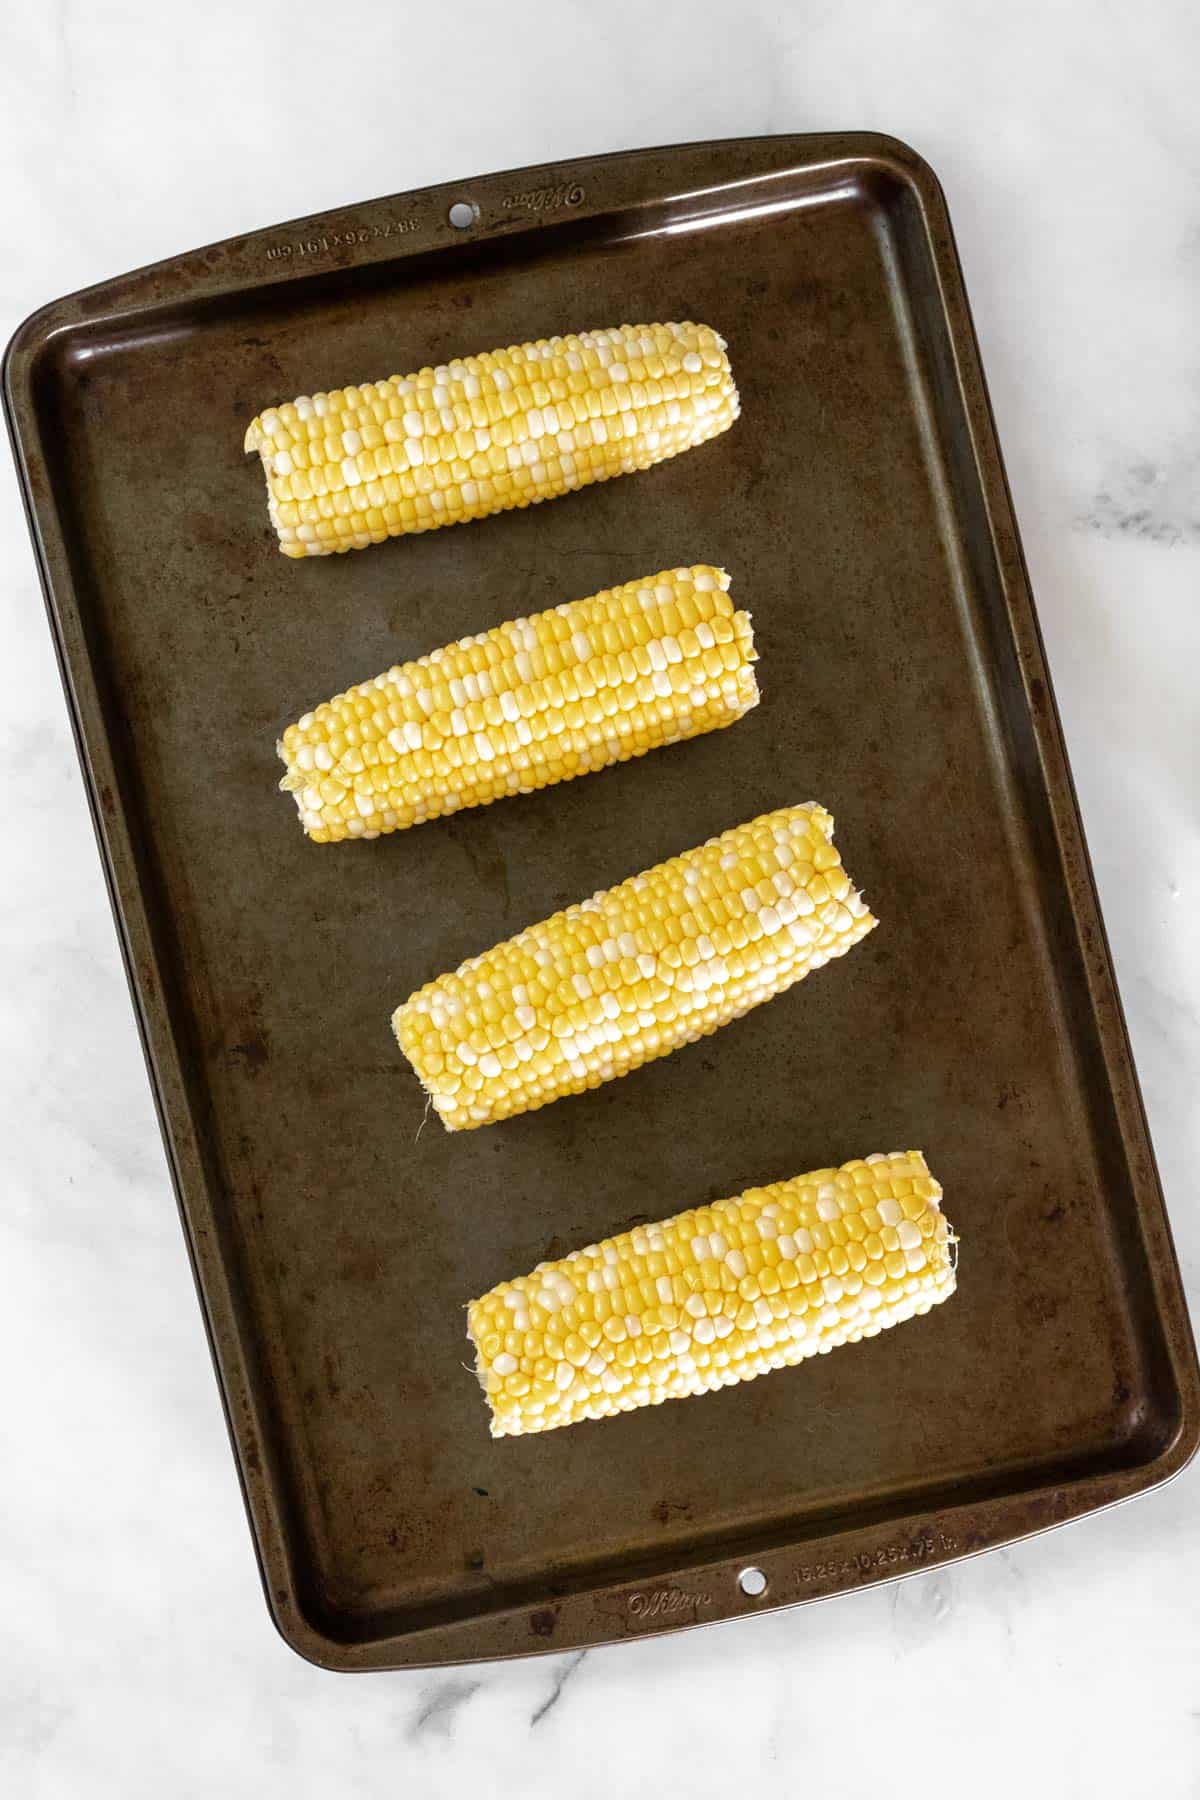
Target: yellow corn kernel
column 482, row 434
column 483, row 718
column 549, row 1316
column 562, row 993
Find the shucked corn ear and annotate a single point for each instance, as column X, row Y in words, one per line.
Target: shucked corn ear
column 635, row 972
column 484, row 433
column 540, row 700
column 715, row 1296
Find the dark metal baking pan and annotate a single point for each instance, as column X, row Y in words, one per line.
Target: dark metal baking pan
column 860, row 504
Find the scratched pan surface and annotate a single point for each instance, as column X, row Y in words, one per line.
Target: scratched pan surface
column 860, row 505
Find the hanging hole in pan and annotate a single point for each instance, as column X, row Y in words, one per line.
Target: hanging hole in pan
column 463, row 214
column 753, row 1583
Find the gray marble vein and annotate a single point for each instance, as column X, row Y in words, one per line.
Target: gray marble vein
column 439, row 1710
column 1158, row 502
column 567, row 1669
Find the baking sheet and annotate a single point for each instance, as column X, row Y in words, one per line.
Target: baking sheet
column 861, row 508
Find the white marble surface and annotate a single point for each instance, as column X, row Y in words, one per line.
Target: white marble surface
column 136, row 1658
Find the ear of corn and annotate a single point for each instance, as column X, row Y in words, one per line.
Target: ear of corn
column 484, row 433
column 539, row 700
column 715, row 1296
column 633, row 973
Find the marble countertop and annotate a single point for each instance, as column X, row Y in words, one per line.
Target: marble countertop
column 136, row 1656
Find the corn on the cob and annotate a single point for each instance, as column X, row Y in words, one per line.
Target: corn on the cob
column 715, row 1296
column 540, row 700
column 635, row 972
column 485, row 433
